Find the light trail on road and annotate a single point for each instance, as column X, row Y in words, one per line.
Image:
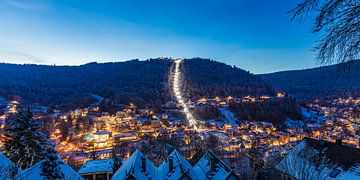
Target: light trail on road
column 179, row 97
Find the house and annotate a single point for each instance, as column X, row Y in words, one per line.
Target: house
column 137, row 166
column 97, row 169
column 126, row 137
column 34, row 172
column 102, row 140
column 211, row 167
column 39, row 109
column 320, row 159
column 175, row 167
column 8, row 169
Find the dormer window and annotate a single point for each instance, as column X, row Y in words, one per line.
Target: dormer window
column 334, row 173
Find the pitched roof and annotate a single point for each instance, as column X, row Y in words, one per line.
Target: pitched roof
column 133, row 167
column 34, row 172
column 203, row 167
column 6, row 166
column 181, row 167
column 313, row 158
column 103, row 165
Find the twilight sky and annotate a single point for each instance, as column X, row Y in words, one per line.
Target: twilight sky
column 255, row 35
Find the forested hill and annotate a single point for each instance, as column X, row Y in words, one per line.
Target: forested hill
column 207, row 78
column 143, row 82
column 328, row 81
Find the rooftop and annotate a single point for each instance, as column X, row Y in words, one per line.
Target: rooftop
column 321, row 159
column 104, row 165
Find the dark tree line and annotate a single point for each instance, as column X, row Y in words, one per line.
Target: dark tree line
column 143, row 82
column 207, row 78
column 322, row 82
column 273, row 110
column 206, row 113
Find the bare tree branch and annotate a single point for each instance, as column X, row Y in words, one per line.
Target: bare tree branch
column 339, row 23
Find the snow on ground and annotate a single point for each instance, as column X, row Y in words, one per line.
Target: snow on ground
column 229, row 117
column 297, row 124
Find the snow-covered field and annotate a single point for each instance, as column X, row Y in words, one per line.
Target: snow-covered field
column 229, row 117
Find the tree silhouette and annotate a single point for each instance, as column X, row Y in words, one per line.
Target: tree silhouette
column 117, row 161
column 339, row 22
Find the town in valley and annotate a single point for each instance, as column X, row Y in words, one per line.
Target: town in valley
column 102, row 130
column 180, row 90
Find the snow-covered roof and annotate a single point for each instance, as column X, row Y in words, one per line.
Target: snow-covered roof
column 222, row 171
column 34, row 172
column 6, row 167
column 319, row 159
column 92, row 166
column 132, row 167
column 126, row 134
column 102, row 133
column 181, row 168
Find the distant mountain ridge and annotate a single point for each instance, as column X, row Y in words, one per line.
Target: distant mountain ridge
column 146, row 83
column 141, row 82
column 322, row 82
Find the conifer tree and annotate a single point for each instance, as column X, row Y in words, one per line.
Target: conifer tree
column 50, row 168
column 25, row 143
column 256, row 158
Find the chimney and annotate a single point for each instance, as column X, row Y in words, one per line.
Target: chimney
column 339, row 141
column 321, row 138
column 213, row 164
column 171, row 164
column 143, row 163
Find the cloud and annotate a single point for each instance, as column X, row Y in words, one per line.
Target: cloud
column 11, row 56
column 33, row 5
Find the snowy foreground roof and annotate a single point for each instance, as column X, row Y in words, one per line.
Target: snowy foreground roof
column 180, row 168
column 212, row 167
column 174, row 167
column 7, row 167
column 34, row 172
column 133, row 168
column 318, row 159
column 103, row 165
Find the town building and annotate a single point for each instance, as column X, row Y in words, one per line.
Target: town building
column 97, row 169
column 102, row 140
column 211, row 167
column 137, row 166
column 175, row 167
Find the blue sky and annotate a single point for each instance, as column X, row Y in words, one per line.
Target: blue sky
column 255, row 35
